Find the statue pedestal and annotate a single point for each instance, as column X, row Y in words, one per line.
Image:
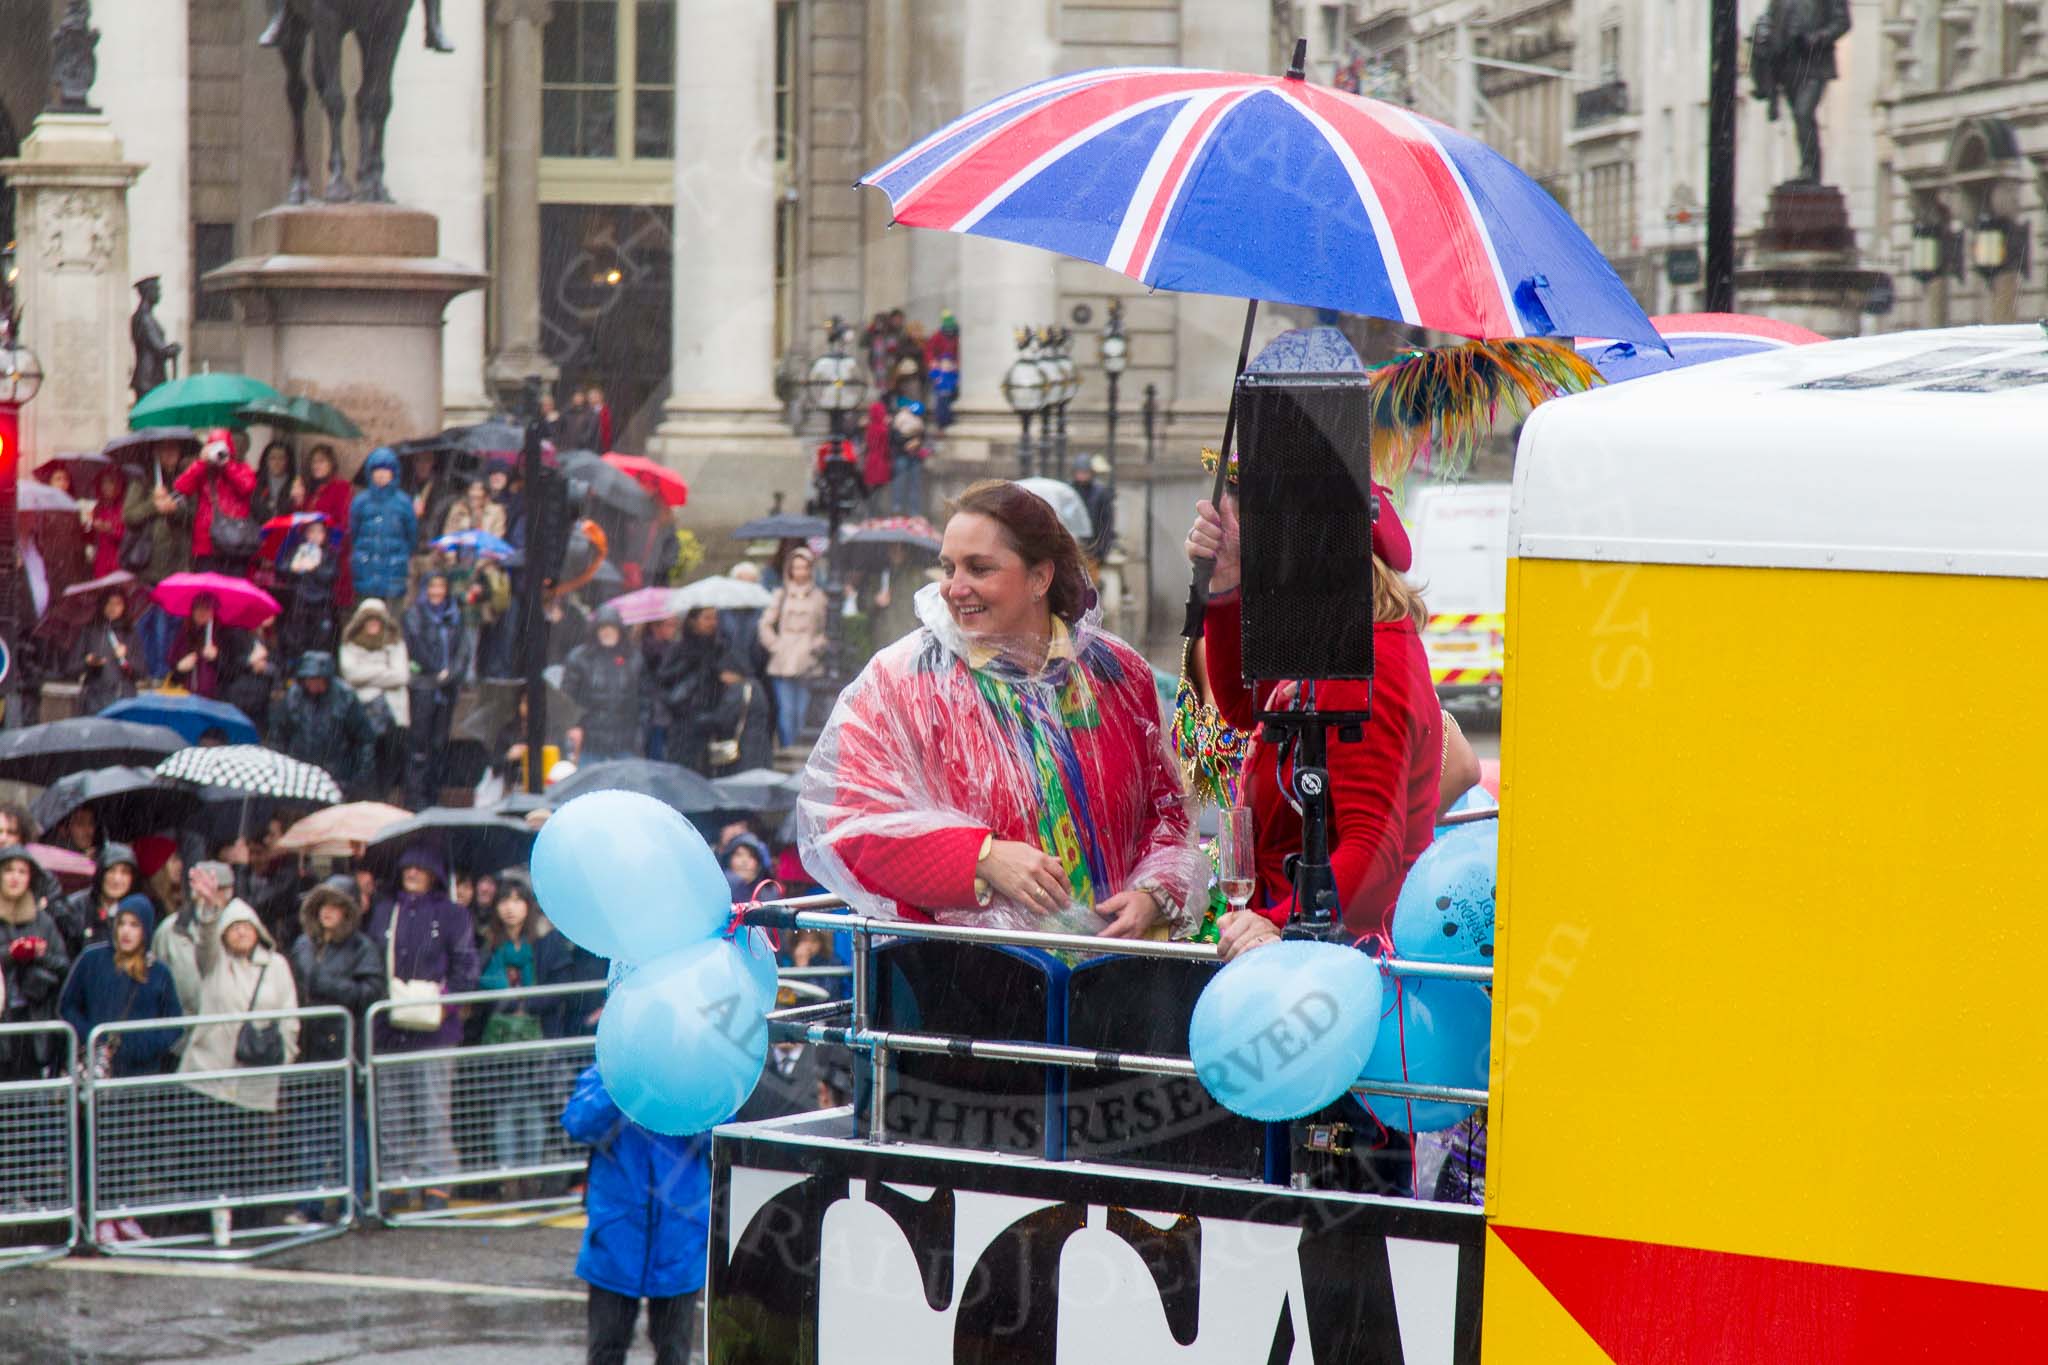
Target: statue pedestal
column 343, row 303
column 71, row 221
column 1803, row 266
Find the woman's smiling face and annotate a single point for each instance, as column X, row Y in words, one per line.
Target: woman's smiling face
column 990, row 590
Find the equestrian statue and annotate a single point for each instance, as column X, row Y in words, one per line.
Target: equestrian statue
column 378, row 26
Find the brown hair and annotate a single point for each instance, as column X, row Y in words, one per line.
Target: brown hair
column 1394, row 598
column 1035, row 532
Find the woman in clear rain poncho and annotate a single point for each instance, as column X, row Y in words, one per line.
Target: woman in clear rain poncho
column 1005, row 764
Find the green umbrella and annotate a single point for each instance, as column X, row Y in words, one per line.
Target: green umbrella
column 304, row 415
column 200, row 400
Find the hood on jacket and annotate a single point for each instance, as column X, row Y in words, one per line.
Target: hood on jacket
column 143, row 909
column 238, row 912
column 13, row 913
column 112, row 855
column 383, row 457
column 339, row 891
column 315, row 663
column 767, row 860
column 372, row 608
column 428, row 858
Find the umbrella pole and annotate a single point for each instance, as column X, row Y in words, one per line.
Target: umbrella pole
column 530, row 588
column 1198, row 587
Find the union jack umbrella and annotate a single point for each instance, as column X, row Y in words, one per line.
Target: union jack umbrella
column 1694, row 339
column 1267, row 188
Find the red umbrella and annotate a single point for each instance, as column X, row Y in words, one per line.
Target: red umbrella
column 73, row 871
column 657, row 479
column 241, row 604
column 81, row 602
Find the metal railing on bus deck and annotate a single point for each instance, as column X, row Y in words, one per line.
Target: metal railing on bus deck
column 38, row 1139
column 820, row 1023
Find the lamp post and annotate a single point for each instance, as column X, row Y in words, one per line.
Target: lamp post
column 1068, row 381
column 1024, row 389
column 1115, row 355
column 1151, row 416
column 1997, row 245
column 1928, row 257
column 836, row 383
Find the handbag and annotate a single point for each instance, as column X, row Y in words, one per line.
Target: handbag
column 259, row 1044
column 506, row 1027
column 415, row 1005
column 233, row 536
column 723, row 753
column 137, row 546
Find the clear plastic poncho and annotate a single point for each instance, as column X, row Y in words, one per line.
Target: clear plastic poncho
column 942, row 742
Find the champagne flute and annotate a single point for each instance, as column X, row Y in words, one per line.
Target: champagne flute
column 1237, row 869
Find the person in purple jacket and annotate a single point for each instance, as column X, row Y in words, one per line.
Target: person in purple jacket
column 424, row 937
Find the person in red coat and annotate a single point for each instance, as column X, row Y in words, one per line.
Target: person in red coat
column 875, row 468
column 216, row 484
column 1383, row 788
column 106, row 527
column 1006, row 764
column 323, row 491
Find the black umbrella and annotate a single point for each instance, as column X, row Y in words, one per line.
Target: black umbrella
column 495, row 704
column 473, row 840
column 520, row 804
column 759, row 791
column 128, row 802
column 671, row 784
column 783, row 526
column 133, row 446
column 43, row 753
column 609, row 484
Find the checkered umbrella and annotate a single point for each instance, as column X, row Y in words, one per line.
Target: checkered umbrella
column 253, row 770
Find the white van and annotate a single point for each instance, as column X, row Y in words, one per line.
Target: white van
column 1459, row 533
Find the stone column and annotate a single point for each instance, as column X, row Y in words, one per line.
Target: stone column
column 515, row 341
column 71, row 219
column 435, row 161
column 722, row 426
column 144, row 86
column 1003, row 286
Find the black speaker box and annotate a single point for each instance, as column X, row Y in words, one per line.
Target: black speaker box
column 1305, row 506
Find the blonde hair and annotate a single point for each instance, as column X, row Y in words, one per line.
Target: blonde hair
column 1394, row 598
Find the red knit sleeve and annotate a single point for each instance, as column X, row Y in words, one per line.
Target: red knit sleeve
column 1222, row 637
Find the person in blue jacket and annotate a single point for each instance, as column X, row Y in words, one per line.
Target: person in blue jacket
column 117, row 981
column 383, row 529
column 649, row 1215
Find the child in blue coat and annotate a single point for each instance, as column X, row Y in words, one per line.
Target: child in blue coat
column 649, row 1215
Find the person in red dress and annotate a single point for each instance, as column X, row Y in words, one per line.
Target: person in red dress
column 106, row 527
column 1006, row 764
column 1383, row 788
column 323, row 490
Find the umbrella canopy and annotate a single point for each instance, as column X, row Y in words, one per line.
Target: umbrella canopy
column 676, row 787
column 308, row 416
column 40, row 497
column 190, row 716
column 1072, row 511
column 277, row 529
column 251, row 771
column 658, row 479
column 726, row 594
column 496, row 704
column 128, row 449
column 495, row 439
column 242, row 603
column 201, row 400
column 1694, row 339
column 607, row 483
column 476, row 542
column 759, row 791
column 642, row 605
column 915, row 532
column 43, row 753
column 83, row 469
column 81, row 602
column 337, row 831
column 519, row 804
column 783, row 526
column 473, row 840
column 73, row 871
column 128, row 802
column 1269, row 188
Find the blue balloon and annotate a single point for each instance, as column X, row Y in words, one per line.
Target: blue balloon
column 617, row 972
column 1283, row 1030
column 1445, row 1032
column 628, row 878
column 759, row 954
column 1445, row 911
column 682, row 1041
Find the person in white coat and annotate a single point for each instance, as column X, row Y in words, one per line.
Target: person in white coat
column 240, row 972
column 375, row 664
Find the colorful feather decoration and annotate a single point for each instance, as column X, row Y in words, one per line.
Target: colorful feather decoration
column 1432, row 408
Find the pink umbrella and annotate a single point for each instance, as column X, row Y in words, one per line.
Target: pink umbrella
column 73, row 871
column 241, row 604
column 645, row 605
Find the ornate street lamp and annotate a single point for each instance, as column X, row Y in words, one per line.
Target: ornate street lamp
column 1115, row 355
column 1997, row 245
column 1932, row 252
column 1066, row 385
column 837, row 383
column 1025, row 388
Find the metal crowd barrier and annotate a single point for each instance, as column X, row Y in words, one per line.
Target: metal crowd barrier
column 849, row 1024
column 38, row 1141
column 472, row 1136
column 211, row 1164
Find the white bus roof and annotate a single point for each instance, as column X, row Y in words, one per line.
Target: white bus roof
column 1915, row 452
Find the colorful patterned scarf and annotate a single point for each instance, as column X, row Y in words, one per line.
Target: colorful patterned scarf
column 1039, row 716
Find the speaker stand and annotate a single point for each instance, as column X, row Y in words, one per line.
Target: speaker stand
column 1317, row 913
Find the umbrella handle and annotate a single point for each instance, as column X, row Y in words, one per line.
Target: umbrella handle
column 1198, row 587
